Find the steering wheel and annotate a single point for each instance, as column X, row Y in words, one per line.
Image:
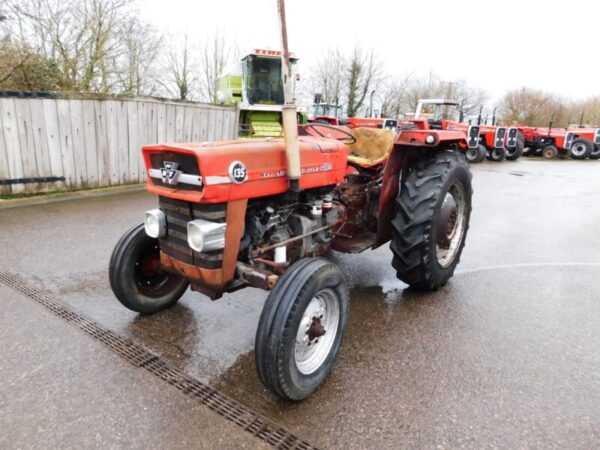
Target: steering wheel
column 348, row 140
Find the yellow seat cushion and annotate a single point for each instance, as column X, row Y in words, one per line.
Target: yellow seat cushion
column 372, row 145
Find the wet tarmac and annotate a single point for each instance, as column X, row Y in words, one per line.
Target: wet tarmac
column 506, row 355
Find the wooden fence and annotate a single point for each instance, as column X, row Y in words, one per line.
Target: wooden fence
column 57, row 143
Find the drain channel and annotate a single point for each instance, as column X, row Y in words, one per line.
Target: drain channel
column 232, row 410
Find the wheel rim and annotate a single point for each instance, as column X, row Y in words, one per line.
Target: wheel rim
column 317, row 331
column 578, row 149
column 451, row 225
column 148, row 274
column 472, row 154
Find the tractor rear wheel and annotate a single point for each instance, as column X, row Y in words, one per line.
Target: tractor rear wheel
column 581, row 148
column 136, row 277
column 433, row 210
column 301, row 328
column 496, row 154
column 596, row 152
column 515, row 153
column 550, row 152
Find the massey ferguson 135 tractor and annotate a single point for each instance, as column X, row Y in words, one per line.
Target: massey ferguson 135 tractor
column 263, row 213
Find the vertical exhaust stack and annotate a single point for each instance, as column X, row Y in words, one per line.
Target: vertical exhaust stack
column 289, row 118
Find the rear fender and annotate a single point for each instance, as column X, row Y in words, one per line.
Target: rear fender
column 408, row 145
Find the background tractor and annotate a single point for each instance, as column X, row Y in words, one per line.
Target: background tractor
column 586, row 142
column 332, row 114
column 550, row 142
column 257, row 86
column 496, row 143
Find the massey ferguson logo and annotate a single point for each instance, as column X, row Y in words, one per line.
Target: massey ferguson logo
column 169, row 173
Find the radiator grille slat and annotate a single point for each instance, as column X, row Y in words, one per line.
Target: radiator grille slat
column 174, row 244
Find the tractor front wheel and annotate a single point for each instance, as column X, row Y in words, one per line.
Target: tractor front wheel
column 433, row 210
column 136, row 278
column 301, row 328
column 550, row 152
column 581, row 148
column 472, row 155
column 496, row 154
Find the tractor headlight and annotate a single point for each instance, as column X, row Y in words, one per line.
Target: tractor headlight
column 155, row 223
column 430, row 139
column 206, row 236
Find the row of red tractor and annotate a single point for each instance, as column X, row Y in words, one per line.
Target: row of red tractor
column 496, row 142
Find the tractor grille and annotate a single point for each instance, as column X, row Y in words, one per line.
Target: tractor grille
column 597, row 137
column 175, row 244
column 186, row 163
column 569, row 137
column 473, row 136
column 500, row 136
column 511, row 140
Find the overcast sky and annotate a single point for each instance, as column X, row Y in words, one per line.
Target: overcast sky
column 551, row 45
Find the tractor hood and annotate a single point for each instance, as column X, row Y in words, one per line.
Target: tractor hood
column 218, row 172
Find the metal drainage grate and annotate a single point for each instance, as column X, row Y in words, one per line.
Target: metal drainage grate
column 232, row 410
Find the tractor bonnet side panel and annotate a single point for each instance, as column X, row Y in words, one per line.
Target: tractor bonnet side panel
column 235, row 170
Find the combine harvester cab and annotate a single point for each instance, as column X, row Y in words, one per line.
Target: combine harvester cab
column 256, row 84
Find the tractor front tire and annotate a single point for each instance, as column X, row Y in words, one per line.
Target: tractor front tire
column 496, row 154
column 472, row 155
column 581, row 148
column 301, row 328
column 550, row 152
column 136, row 277
column 433, row 208
column 515, row 153
column 596, row 152
column 481, row 153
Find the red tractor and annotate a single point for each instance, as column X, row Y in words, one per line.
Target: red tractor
column 552, row 143
column 586, row 142
column 262, row 213
column 496, row 143
column 331, row 114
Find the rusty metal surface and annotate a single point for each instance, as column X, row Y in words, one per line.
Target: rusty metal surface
column 389, row 191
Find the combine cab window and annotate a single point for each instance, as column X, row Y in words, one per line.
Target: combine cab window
column 263, row 80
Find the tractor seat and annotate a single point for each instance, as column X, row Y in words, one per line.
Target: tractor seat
column 371, row 148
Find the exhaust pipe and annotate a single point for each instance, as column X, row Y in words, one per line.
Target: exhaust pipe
column 289, row 117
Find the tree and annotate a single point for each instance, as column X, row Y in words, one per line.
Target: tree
column 181, row 78
column 534, row 108
column 395, row 99
column 363, row 74
column 89, row 41
column 328, row 76
column 24, row 70
column 215, row 52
